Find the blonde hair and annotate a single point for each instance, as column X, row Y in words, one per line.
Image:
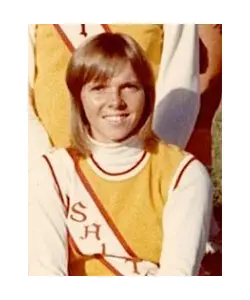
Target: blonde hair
column 97, row 60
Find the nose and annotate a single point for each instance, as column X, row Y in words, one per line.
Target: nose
column 116, row 101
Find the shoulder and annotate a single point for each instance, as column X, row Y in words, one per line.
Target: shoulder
column 171, row 148
column 56, row 162
column 191, row 172
column 169, row 153
column 165, row 160
column 57, row 155
column 185, row 168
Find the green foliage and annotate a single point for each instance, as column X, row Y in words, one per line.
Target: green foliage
column 217, row 157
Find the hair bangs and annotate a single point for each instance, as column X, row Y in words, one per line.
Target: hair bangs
column 100, row 69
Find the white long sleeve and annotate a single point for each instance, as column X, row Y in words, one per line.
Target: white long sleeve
column 31, row 56
column 186, row 222
column 39, row 142
column 177, row 99
column 47, row 225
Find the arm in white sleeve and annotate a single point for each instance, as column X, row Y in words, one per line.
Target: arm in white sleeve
column 39, row 141
column 31, row 55
column 186, row 222
column 47, row 225
column 177, row 89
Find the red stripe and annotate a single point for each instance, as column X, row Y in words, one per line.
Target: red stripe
column 68, row 203
column 106, row 27
column 108, row 265
column 64, row 37
column 100, row 206
column 66, row 207
column 73, row 244
column 76, row 249
column 119, row 173
column 182, row 171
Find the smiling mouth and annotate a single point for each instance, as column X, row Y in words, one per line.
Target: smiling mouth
column 116, row 119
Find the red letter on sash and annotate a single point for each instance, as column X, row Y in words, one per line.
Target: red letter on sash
column 83, row 32
column 95, row 231
column 134, row 264
column 104, row 250
column 78, row 215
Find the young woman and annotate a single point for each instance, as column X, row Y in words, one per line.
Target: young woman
column 119, row 201
column 170, row 48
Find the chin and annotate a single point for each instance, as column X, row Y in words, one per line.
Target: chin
column 118, row 138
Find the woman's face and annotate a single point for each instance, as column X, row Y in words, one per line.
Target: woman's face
column 115, row 108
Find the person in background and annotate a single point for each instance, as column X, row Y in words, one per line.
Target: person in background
column 200, row 142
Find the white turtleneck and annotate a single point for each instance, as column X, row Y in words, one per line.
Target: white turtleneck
column 186, row 216
column 117, row 157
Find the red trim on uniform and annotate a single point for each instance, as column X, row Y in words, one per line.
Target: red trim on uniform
column 99, row 205
column 119, row 173
column 106, row 27
column 66, row 206
column 108, row 265
column 100, row 257
column 76, row 249
column 64, row 37
column 182, row 171
column 73, row 244
column 68, row 203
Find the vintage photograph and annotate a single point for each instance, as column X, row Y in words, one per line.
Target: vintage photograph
column 124, row 154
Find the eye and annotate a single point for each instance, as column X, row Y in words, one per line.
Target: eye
column 98, row 87
column 131, row 87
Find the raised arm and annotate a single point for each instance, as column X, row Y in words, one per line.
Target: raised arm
column 39, row 141
column 177, row 99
